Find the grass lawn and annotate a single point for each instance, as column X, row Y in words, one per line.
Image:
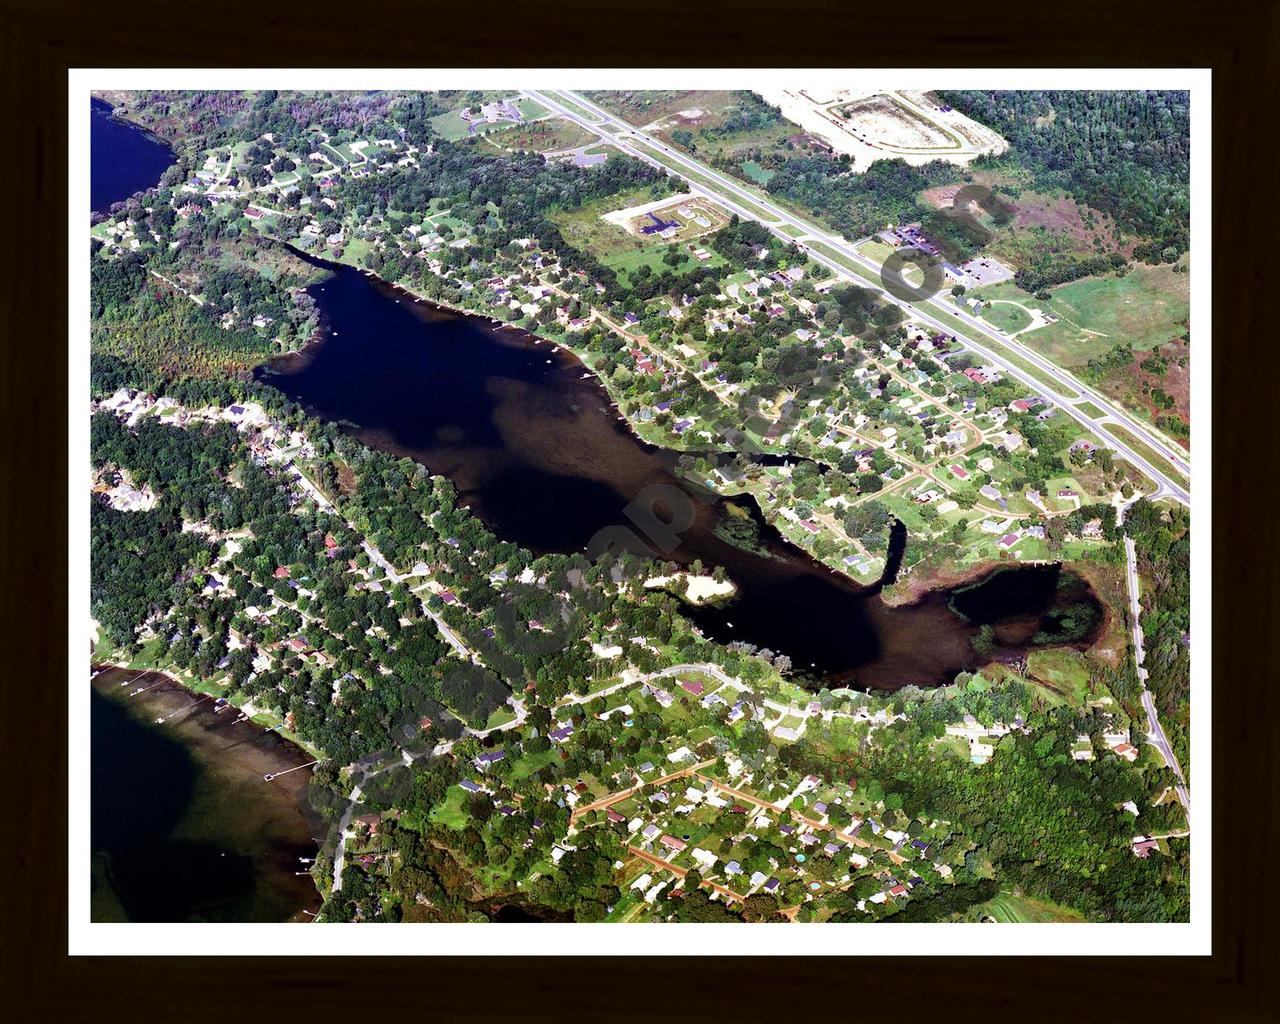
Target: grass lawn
column 651, row 256
column 877, row 251
column 584, row 228
column 344, row 150
column 545, row 136
column 531, row 108
column 1147, row 307
column 1010, row 909
column 597, row 685
column 450, row 126
column 757, row 173
column 355, row 250
column 1089, row 409
column 1147, row 452
column 1065, row 674
column 452, row 811
column 1006, row 316
column 460, row 228
column 956, row 745
column 333, row 154
column 500, row 716
column 530, row 763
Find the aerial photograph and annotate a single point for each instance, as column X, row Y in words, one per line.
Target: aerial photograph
column 549, row 505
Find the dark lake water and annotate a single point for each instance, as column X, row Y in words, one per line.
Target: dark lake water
column 534, row 446
column 123, row 158
column 183, row 826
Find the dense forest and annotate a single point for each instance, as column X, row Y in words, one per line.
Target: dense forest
column 858, row 204
column 1051, row 826
column 1163, row 541
column 1126, row 153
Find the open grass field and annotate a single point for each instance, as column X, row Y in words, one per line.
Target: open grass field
column 584, row 228
column 1010, row 909
column 545, row 136
column 1007, row 316
column 1047, row 227
column 616, row 247
column 645, row 106
column 1147, row 307
column 756, row 173
column 770, row 139
column 1065, row 673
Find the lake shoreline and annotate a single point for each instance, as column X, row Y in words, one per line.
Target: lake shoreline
column 267, row 827
column 535, row 446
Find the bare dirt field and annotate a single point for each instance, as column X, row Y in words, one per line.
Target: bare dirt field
column 870, row 126
column 893, row 125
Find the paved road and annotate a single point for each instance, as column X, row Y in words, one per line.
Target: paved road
column 340, row 854
column 666, row 865
column 733, row 195
column 606, row 121
column 1135, row 609
column 1155, row 732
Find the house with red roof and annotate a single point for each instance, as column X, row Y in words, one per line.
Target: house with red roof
column 1142, row 847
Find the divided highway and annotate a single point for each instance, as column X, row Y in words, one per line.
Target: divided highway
column 739, row 200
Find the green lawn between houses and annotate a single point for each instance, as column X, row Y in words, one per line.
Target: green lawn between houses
column 452, row 810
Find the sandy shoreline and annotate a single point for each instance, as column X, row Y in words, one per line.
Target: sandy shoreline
column 270, row 821
column 167, row 697
column 699, row 589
